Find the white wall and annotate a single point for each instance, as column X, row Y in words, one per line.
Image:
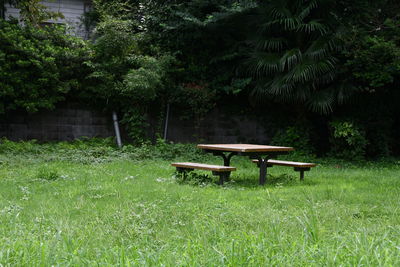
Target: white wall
column 72, row 10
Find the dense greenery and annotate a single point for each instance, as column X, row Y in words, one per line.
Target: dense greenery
column 292, row 52
column 38, row 66
column 126, row 77
column 88, row 203
column 332, row 63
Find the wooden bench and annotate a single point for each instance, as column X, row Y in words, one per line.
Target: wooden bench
column 298, row 166
column 222, row 171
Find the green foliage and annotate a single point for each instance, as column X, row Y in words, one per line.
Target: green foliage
column 195, row 100
column 205, row 39
column 95, row 151
column 292, row 53
column 38, row 66
column 193, row 178
column 165, row 151
column 370, row 64
column 348, row 140
column 297, row 137
column 144, row 82
column 47, row 173
column 374, row 63
column 125, row 78
column 7, row 146
column 135, row 123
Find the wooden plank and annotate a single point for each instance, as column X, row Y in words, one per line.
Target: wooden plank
column 200, row 166
column 289, row 163
column 244, row 148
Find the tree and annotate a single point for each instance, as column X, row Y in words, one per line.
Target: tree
column 38, row 67
column 292, row 52
column 123, row 77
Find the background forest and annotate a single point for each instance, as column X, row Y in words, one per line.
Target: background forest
column 327, row 69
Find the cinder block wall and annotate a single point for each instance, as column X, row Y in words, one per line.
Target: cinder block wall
column 62, row 124
column 219, row 127
column 70, row 121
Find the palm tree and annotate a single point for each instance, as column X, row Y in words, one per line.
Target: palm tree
column 292, row 52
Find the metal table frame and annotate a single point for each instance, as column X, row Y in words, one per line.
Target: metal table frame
column 262, row 157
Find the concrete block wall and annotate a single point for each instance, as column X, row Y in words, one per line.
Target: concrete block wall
column 65, row 123
column 219, row 127
column 68, row 122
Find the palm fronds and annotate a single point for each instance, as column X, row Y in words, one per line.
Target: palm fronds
column 292, row 56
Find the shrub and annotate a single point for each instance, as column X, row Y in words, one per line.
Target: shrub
column 296, row 137
column 38, row 66
column 124, row 77
column 347, row 140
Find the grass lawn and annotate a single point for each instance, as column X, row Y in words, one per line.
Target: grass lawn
column 55, row 210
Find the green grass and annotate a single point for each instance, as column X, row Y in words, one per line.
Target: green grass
column 58, row 210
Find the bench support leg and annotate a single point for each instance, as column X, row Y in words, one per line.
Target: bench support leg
column 222, row 176
column 301, row 175
column 301, row 170
column 226, row 158
column 263, row 172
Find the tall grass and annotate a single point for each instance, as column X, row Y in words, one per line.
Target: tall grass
column 63, row 204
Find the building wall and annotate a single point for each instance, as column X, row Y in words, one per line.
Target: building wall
column 73, row 11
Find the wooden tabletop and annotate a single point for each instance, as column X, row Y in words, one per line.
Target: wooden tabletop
column 244, row 148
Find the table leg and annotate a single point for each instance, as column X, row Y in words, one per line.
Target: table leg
column 263, row 169
column 227, row 160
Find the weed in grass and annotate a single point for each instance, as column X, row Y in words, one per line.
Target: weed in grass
column 47, row 173
column 11, row 209
column 193, row 178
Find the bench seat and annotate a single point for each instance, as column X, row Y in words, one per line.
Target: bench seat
column 288, row 163
column 222, row 171
column 298, row 166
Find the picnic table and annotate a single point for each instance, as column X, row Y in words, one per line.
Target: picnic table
column 260, row 152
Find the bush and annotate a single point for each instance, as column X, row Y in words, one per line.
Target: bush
column 125, row 78
column 296, row 137
column 38, row 66
column 347, row 140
